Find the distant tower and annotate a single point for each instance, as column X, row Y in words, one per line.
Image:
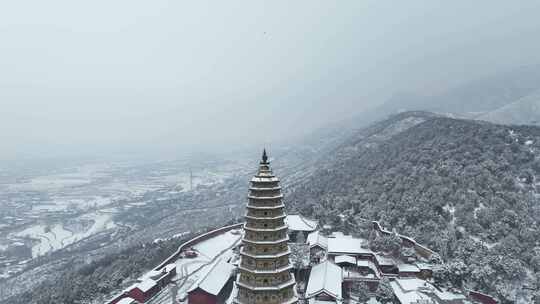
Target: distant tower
column 190, row 179
column 265, row 276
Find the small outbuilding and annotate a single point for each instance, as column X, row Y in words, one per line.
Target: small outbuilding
column 386, row 265
column 409, row 291
column 345, row 246
column 318, row 245
column 144, row 290
column 345, row 260
column 300, row 227
column 213, row 286
column 325, row 283
column 408, row 270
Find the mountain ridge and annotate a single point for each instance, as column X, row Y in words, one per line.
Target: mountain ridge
column 466, row 189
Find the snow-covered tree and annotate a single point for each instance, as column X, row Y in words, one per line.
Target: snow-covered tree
column 536, row 297
column 387, row 243
column 360, row 290
column 384, row 293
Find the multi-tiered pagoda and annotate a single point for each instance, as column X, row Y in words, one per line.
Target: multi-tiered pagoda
column 265, row 270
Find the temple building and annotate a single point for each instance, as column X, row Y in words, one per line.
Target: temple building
column 265, row 270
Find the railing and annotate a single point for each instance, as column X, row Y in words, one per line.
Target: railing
column 482, row 298
column 195, row 240
column 420, row 249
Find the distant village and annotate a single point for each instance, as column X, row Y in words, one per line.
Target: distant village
column 278, row 258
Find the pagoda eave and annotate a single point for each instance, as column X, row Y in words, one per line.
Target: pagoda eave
column 268, row 288
column 265, row 218
column 265, row 207
column 265, row 179
column 265, row 197
column 274, row 271
column 265, row 189
column 265, row 229
column 265, row 256
column 267, row 242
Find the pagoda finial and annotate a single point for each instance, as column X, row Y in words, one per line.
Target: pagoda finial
column 264, row 157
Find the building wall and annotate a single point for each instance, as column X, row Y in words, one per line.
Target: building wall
column 117, row 298
column 323, row 296
column 199, row 296
column 138, row 295
column 482, row 298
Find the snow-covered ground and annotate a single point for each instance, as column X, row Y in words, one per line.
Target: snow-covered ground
column 215, row 246
column 189, row 270
column 48, row 238
column 48, row 208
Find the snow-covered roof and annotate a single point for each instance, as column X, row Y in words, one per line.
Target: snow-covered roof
column 406, row 290
column 127, row 300
column 346, row 245
column 362, row 263
column 170, row 267
column 325, row 277
column 424, row 266
column 446, row 295
column 152, row 274
column 408, row 268
column 215, row 277
column 412, row 284
column 381, row 260
column 315, row 301
column 316, row 238
column 297, row 222
column 345, row 259
column 146, row 285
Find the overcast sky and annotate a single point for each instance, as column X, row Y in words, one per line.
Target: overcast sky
column 97, row 76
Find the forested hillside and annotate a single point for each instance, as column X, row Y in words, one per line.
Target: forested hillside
column 466, row 189
column 84, row 283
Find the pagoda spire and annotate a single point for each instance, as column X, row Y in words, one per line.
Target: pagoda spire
column 265, row 269
column 264, row 157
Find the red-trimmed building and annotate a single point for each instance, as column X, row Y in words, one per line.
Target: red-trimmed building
column 214, row 286
column 144, row 290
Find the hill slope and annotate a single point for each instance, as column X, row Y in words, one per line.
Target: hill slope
column 465, row 188
column 525, row 110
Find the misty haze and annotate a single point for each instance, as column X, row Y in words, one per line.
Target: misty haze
column 270, row 152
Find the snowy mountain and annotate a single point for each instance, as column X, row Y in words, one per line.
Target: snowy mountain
column 524, row 111
column 467, row 189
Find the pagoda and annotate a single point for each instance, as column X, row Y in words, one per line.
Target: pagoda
column 265, row 270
